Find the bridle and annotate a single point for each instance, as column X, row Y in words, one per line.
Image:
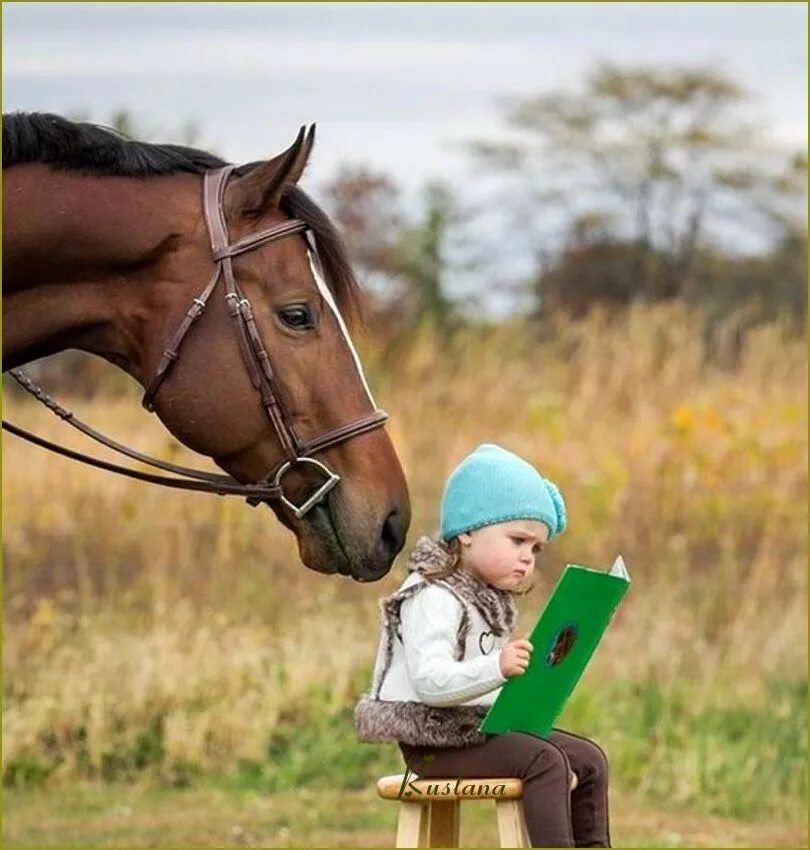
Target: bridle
column 261, row 372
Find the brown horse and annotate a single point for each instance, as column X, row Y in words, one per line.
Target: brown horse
column 105, row 246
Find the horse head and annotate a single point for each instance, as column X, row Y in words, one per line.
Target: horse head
column 107, row 245
column 305, row 380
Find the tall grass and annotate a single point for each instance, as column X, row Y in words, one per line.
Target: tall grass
column 154, row 633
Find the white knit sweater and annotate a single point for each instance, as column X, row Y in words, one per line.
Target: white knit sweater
column 423, row 667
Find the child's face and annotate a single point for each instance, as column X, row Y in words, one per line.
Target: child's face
column 503, row 554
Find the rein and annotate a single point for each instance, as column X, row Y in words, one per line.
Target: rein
column 257, row 363
column 193, row 479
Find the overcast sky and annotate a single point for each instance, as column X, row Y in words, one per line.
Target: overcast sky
column 399, row 85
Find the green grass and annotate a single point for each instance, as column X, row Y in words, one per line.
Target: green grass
column 218, row 815
column 317, row 751
column 712, row 754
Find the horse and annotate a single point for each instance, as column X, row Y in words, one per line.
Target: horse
column 107, row 243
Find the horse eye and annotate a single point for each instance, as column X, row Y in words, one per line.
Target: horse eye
column 298, row 318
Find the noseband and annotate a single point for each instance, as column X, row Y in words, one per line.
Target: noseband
column 296, row 452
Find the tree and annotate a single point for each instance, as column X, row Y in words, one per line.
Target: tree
column 659, row 157
column 422, row 258
column 366, row 205
column 404, row 262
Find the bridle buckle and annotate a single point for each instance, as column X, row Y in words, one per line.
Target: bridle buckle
column 319, row 495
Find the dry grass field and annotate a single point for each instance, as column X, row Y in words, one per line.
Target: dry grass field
column 161, row 642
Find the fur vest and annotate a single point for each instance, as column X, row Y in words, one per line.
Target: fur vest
column 487, row 619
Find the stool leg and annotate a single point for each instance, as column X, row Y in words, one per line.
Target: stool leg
column 444, row 823
column 511, row 825
column 412, row 826
column 524, row 830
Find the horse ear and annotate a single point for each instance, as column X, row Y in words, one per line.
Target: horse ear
column 261, row 188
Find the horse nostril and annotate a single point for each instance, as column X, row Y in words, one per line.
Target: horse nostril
column 392, row 536
column 391, row 540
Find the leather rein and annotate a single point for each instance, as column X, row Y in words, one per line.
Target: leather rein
column 262, row 377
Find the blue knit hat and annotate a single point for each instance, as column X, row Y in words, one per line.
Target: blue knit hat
column 494, row 485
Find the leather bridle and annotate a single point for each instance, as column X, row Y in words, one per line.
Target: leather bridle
column 261, row 372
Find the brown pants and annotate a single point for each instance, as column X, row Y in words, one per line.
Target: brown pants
column 554, row 816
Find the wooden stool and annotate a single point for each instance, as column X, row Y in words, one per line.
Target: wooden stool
column 430, row 818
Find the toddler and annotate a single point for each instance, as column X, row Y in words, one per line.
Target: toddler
column 447, row 647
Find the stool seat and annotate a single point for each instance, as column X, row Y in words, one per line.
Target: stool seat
column 445, row 790
column 434, row 820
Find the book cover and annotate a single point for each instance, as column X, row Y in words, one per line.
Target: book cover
column 564, row 639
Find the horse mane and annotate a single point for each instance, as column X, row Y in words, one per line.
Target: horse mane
column 104, row 152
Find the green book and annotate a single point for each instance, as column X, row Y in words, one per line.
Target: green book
column 564, row 639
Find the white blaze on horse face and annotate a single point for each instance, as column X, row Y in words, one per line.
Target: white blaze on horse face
column 317, row 273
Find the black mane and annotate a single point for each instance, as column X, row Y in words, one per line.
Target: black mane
column 104, row 152
column 53, row 140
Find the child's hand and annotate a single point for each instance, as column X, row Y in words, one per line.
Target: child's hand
column 515, row 658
